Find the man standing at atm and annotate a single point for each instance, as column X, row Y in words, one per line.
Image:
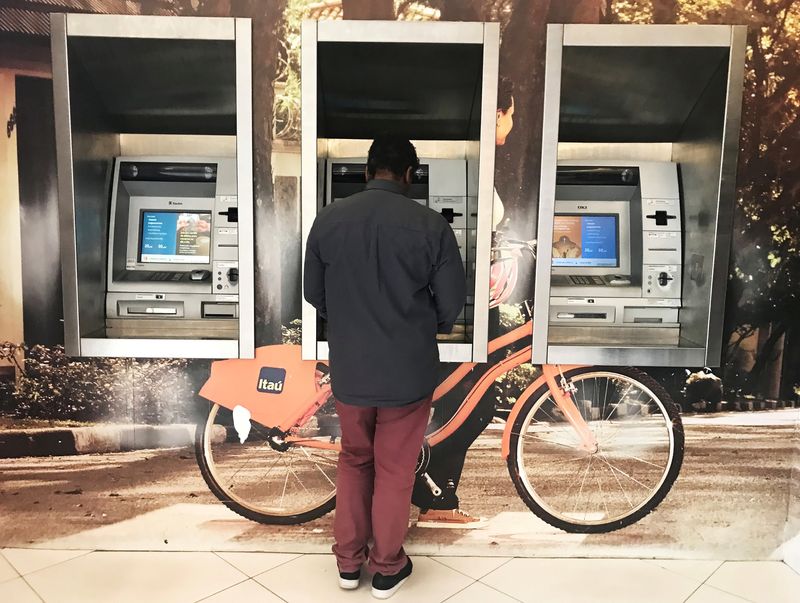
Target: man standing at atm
column 386, row 274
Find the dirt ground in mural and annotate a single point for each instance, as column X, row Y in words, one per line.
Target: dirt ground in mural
column 732, row 495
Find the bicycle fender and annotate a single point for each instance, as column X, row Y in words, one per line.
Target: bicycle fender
column 541, row 381
column 516, row 410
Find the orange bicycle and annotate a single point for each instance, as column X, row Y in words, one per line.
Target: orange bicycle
column 589, row 449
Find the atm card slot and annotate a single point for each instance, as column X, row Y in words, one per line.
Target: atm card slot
column 150, row 308
column 567, row 314
column 583, row 315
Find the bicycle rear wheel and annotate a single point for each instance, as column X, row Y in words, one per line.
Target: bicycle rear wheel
column 267, row 485
column 640, row 450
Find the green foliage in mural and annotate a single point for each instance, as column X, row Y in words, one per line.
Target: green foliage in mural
column 53, row 386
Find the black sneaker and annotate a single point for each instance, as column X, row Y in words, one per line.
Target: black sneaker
column 384, row 587
column 349, row 580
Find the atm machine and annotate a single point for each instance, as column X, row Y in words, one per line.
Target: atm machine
column 637, row 189
column 433, row 83
column 440, row 184
column 155, row 172
column 173, row 249
column 616, row 252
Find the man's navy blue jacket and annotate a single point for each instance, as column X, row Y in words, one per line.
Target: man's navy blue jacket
column 386, row 274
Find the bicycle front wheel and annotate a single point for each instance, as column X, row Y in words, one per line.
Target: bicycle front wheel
column 640, row 450
column 253, row 479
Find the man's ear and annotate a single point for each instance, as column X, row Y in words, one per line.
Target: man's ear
column 409, row 175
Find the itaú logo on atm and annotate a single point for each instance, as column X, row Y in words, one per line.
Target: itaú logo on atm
column 271, row 380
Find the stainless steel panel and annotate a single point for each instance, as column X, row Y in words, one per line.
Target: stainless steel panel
column 95, row 142
column 163, row 86
column 646, row 35
column 643, row 94
column 140, row 26
column 569, row 152
column 699, row 154
column 491, row 54
column 441, row 32
column 727, row 194
column 448, row 352
column 432, row 91
column 244, row 183
column 160, row 348
column 66, row 205
column 309, row 181
column 633, row 335
column 547, row 191
column 630, row 356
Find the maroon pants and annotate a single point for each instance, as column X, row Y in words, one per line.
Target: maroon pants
column 374, row 479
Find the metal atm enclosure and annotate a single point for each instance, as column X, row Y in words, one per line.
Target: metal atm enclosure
column 640, row 141
column 434, row 83
column 154, row 149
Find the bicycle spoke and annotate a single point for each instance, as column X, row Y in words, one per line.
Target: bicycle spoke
column 617, row 469
column 320, row 469
column 527, row 436
column 283, row 494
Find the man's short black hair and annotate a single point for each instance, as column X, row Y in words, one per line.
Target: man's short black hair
column 391, row 153
column 505, row 94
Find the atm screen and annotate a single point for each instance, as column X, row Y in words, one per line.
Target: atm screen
column 175, row 237
column 586, row 240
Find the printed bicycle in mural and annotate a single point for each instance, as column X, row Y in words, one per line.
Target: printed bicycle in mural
column 589, row 449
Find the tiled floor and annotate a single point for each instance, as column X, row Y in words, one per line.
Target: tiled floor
column 155, row 577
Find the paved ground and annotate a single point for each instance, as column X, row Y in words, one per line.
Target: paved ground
column 730, row 501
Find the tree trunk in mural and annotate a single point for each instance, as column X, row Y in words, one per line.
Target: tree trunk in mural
column 368, row 9
column 462, row 10
column 576, row 11
column 267, row 18
column 522, row 54
column 665, row 11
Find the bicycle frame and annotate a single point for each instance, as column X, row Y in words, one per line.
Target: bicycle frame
column 552, row 376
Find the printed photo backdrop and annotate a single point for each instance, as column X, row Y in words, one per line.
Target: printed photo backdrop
column 96, row 450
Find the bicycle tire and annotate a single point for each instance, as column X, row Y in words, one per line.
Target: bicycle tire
column 671, row 475
column 218, row 490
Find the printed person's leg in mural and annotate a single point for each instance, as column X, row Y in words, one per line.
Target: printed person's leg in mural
column 448, row 458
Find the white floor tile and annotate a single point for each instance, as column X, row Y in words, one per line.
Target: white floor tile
column 696, row 570
column 253, row 564
column 26, row 561
column 595, row 580
column 7, row 571
column 474, row 567
column 708, row 594
column 480, row 593
column 17, row 591
column 135, row 577
column 761, row 582
column 249, row 591
column 314, row 578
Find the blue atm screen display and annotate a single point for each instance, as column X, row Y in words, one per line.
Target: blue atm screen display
column 586, row 240
column 175, row 237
